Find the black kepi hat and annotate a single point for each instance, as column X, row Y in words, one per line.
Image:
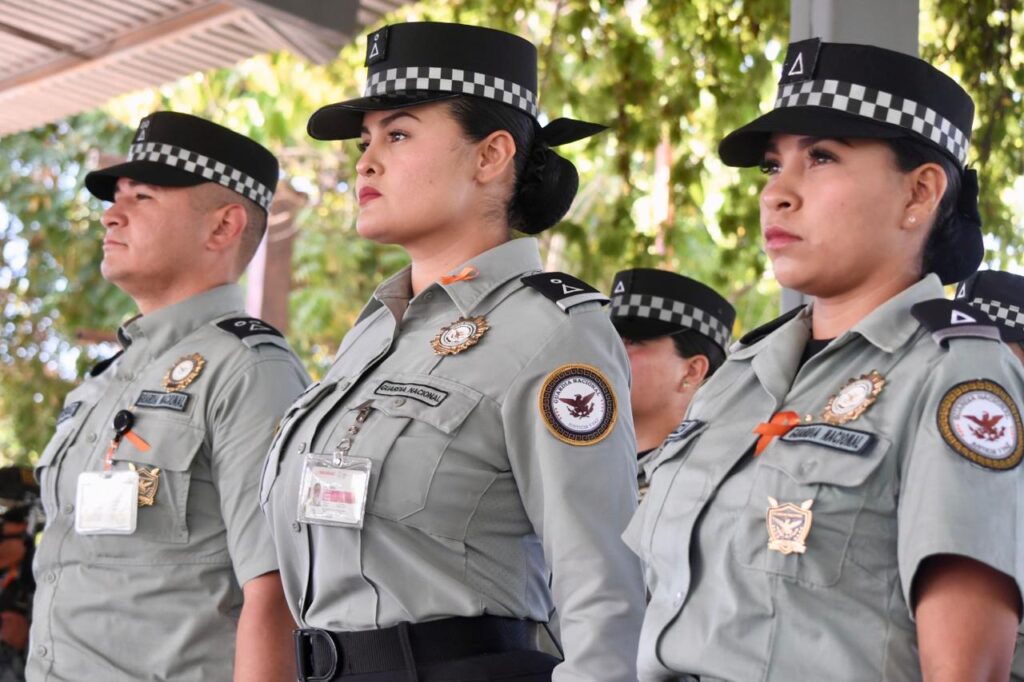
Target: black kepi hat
column 1000, row 295
column 419, row 62
column 648, row 303
column 848, row 90
column 179, row 150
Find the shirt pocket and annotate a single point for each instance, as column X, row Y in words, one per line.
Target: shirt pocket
column 163, row 526
column 63, row 437
column 675, row 490
column 309, row 399
column 840, row 485
column 420, row 415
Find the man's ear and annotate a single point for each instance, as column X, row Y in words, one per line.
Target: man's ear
column 229, row 223
column 496, row 154
column 927, row 185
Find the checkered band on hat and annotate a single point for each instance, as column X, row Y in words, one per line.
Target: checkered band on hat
column 1003, row 313
column 211, row 169
column 673, row 312
column 442, row 79
column 885, row 107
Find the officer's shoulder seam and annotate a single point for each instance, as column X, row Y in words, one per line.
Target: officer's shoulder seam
column 251, row 332
column 563, row 289
column 946, row 320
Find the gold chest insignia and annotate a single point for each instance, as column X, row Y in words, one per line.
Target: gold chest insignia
column 184, row 372
column 461, row 334
column 788, row 526
column 854, row 398
column 149, row 482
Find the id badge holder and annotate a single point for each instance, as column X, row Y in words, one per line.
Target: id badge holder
column 333, row 489
column 106, row 503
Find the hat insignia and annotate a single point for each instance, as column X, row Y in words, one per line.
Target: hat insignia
column 854, row 398
column 620, row 287
column 798, row 65
column 377, row 47
column 788, row 526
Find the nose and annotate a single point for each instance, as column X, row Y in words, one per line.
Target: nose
column 780, row 192
column 113, row 217
column 368, row 164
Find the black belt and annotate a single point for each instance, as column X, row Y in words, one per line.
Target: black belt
column 323, row 655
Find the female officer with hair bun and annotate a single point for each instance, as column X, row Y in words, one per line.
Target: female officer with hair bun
column 474, row 431
column 846, row 502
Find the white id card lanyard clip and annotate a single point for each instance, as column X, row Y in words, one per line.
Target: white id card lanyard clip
column 333, row 487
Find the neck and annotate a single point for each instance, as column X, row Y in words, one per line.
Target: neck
column 437, row 256
column 152, row 301
column 835, row 315
column 652, row 429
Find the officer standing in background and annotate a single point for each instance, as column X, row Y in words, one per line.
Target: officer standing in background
column 474, row 431
column 846, row 503
column 155, row 563
column 676, row 331
column 1000, row 295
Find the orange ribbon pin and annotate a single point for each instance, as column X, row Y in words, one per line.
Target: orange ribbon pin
column 780, row 424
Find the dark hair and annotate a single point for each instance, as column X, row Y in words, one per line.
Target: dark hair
column 545, row 183
column 690, row 343
column 940, row 252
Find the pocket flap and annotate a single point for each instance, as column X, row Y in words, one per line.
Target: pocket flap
column 439, row 402
column 675, row 444
column 172, row 444
column 815, row 461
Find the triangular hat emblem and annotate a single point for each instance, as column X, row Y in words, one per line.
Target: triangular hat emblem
column 959, row 317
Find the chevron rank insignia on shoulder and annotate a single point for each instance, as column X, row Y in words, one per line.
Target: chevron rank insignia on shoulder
column 565, row 290
column 951, row 319
column 244, row 327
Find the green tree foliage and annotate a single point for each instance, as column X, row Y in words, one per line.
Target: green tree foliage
column 669, row 78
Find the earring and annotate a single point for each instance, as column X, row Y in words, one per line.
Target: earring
column 912, row 219
column 686, row 385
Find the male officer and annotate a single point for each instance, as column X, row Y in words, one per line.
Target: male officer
column 155, row 563
column 1000, row 295
column 676, row 331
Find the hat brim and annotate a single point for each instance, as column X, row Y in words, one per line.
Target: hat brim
column 102, row 183
column 344, row 120
column 745, row 147
column 642, row 329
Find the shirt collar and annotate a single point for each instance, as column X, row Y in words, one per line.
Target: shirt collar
column 164, row 327
column 890, row 325
column 494, row 268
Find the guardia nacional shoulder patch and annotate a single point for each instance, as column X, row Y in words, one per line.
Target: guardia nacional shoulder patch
column 982, row 423
column 578, row 404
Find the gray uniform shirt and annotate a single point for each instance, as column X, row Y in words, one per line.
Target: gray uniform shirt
column 471, row 497
column 727, row 607
column 163, row 603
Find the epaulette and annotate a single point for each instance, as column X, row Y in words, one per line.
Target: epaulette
column 252, row 331
column 565, row 290
column 947, row 319
column 101, row 366
column 755, row 335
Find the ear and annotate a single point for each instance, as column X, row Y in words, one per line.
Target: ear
column 696, row 370
column 228, row 224
column 927, row 184
column 495, row 156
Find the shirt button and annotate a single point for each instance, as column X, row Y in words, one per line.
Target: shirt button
column 41, row 650
column 344, row 384
column 429, row 295
column 51, row 577
column 385, row 343
column 69, row 508
column 302, row 448
column 808, row 467
column 398, row 402
column 296, row 526
column 91, row 438
column 678, row 599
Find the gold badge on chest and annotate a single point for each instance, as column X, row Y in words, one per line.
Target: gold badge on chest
column 184, row 372
column 149, row 482
column 788, row 526
column 461, row 334
column 854, row 398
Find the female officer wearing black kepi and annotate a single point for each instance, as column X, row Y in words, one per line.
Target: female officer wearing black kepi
column 474, row 431
column 847, row 502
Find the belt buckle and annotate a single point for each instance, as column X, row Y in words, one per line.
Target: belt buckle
column 305, row 645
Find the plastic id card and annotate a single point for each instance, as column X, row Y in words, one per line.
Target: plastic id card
column 107, row 503
column 333, row 490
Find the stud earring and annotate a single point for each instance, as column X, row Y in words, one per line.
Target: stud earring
column 686, row 385
column 912, row 219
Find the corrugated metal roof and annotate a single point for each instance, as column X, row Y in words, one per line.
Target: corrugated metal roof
column 60, row 57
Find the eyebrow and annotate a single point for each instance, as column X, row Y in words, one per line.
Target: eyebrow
column 131, row 184
column 387, row 120
column 809, row 141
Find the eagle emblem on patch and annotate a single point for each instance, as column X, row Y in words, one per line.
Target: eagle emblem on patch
column 788, row 526
column 184, row 372
column 982, row 423
column 578, row 404
column 854, row 398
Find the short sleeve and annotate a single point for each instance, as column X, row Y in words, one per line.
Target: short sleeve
column 246, row 413
column 573, row 452
column 961, row 477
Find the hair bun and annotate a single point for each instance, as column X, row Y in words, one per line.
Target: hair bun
column 547, row 187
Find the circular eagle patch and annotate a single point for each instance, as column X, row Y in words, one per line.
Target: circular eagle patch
column 980, row 421
column 578, row 404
